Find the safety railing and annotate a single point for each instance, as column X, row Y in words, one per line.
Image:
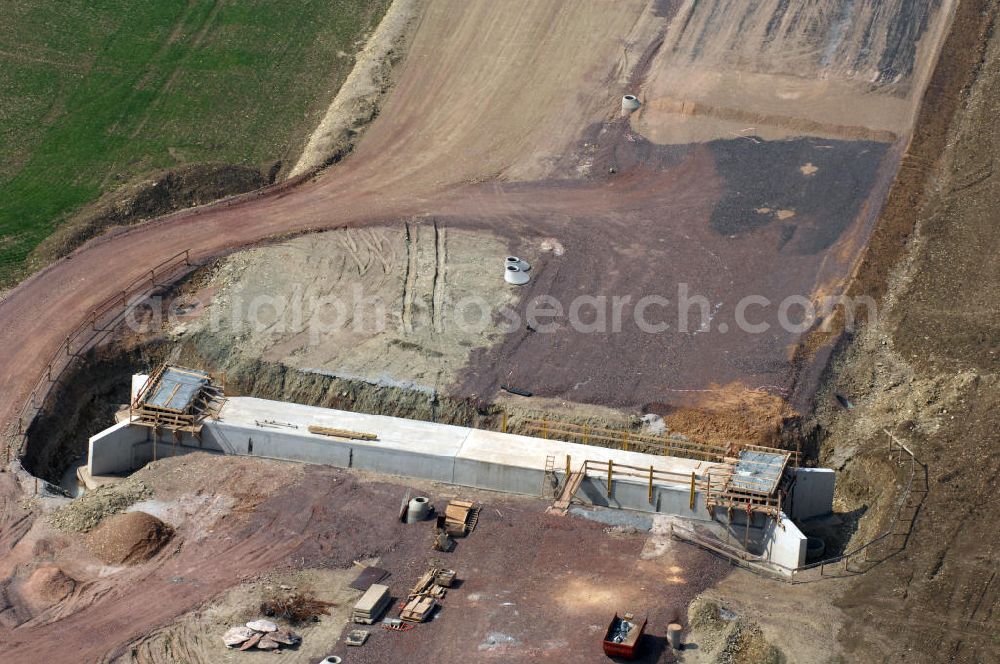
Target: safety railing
column 612, row 472
column 97, row 326
column 896, row 450
column 625, row 439
column 916, row 467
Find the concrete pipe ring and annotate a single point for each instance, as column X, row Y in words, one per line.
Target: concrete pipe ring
column 520, row 262
column 332, row 659
column 418, row 509
column 815, row 548
column 630, row 104
column 513, row 275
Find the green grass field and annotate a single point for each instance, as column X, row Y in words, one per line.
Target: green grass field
column 95, row 92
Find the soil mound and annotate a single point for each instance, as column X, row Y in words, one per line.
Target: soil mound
column 86, row 512
column 47, row 585
column 129, row 539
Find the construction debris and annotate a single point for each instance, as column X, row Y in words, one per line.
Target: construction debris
column 237, row 635
column 341, row 433
column 85, row 513
column 404, row 507
column 427, row 585
column 267, row 643
column 442, row 542
column 262, row 626
column 260, row 634
column 372, row 604
column 461, row 517
column 297, row 608
column 445, row 577
column 397, row 625
column 356, row 637
column 623, row 636
column 252, row 641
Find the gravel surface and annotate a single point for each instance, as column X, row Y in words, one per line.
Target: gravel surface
column 84, row 514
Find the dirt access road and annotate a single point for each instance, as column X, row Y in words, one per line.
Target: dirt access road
column 505, row 116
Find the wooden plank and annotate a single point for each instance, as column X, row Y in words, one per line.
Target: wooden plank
column 341, row 433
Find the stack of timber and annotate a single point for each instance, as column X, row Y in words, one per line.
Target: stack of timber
column 372, row 604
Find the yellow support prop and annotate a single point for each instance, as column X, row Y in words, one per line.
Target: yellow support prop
column 650, row 485
column 503, row 425
column 692, row 489
column 568, row 465
column 611, row 466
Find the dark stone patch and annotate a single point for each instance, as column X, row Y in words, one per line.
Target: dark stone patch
column 763, row 178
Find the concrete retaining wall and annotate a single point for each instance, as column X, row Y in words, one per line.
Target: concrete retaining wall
column 113, row 450
column 452, row 455
column 784, row 544
column 812, row 493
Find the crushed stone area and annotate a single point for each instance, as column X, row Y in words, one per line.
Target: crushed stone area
column 86, row 513
column 400, row 306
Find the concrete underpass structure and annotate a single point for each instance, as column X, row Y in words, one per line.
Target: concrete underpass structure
column 467, row 457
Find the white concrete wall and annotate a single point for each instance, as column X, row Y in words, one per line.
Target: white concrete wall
column 124, row 448
column 113, row 450
column 812, row 493
column 784, row 544
column 138, row 382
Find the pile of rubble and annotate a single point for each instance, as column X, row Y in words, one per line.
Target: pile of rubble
column 85, row 513
column 260, row 634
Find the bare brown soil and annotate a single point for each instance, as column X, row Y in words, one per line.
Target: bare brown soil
column 732, row 414
column 514, row 129
column 47, row 585
column 451, row 143
column 533, row 585
column 928, row 372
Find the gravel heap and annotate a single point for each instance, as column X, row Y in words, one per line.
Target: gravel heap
column 85, row 513
column 129, row 539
